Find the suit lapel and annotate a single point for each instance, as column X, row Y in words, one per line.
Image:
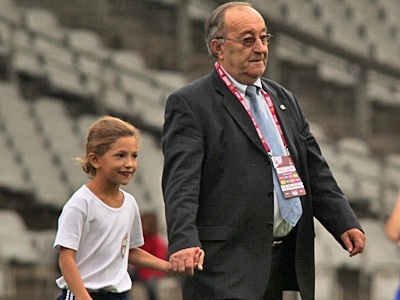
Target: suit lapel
column 284, row 115
column 238, row 113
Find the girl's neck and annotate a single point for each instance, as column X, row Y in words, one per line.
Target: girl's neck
column 110, row 195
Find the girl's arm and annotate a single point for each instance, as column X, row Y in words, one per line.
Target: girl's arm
column 71, row 274
column 393, row 223
column 141, row 258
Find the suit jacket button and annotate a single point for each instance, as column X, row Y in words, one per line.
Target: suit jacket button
column 270, row 194
column 270, row 224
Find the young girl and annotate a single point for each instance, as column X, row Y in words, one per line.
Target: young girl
column 99, row 229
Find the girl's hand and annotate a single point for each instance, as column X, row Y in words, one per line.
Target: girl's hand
column 199, row 259
column 185, row 261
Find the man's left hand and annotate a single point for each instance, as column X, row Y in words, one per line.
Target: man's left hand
column 354, row 240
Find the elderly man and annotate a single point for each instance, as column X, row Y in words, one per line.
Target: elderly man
column 244, row 176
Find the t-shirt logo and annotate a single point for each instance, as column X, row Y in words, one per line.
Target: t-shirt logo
column 124, row 244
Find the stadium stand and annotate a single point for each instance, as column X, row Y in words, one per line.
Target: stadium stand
column 17, row 251
column 380, row 263
column 327, row 276
column 61, row 67
column 357, row 159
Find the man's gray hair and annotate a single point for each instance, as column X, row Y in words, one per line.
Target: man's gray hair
column 214, row 26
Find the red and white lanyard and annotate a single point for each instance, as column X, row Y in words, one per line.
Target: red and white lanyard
column 267, row 98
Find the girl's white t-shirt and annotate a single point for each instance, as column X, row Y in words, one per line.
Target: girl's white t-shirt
column 101, row 236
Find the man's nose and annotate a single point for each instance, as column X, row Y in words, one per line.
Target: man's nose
column 259, row 46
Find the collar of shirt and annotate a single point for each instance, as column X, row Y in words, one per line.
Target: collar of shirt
column 240, row 86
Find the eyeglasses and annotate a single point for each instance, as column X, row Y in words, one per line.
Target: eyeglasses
column 249, row 41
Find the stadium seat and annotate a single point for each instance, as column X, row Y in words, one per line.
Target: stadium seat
column 291, row 50
column 306, row 16
column 382, row 88
column 65, row 144
column 333, row 69
column 46, row 270
column 42, row 22
column 169, row 80
column 379, row 258
column 69, row 83
column 26, row 62
column 12, row 175
column 56, row 125
column 127, row 59
column 5, row 49
column 152, row 115
column 17, row 251
column 85, row 40
column 345, row 177
column 53, row 51
column 391, row 12
column 44, row 175
column 326, row 282
column 340, row 28
column 10, row 11
column 117, row 102
column 17, row 240
column 361, row 10
column 83, row 123
column 151, row 162
column 92, row 66
column 127, row 72
column 366, row 169
column 272, row 8
column 89, row 54
column 200, row 10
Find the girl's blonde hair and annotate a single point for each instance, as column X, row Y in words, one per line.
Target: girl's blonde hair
column 104, row 132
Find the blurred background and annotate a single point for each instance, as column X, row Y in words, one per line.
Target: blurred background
column 64, row 63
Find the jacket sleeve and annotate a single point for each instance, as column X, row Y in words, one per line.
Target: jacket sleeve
column 330, row 206
column 182, row 144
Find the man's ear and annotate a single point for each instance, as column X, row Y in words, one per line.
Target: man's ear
column 216, row 48
column 94, row 160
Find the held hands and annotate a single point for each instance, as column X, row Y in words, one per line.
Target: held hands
column 185, row 261
column 354, row 240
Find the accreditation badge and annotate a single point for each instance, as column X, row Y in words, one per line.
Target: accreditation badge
column 289, row 179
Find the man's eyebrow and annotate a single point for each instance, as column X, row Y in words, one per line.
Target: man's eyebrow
column 251, row 32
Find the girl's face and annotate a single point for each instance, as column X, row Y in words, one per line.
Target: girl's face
column 119, row 163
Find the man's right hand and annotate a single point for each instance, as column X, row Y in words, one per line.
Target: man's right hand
column 185, row 261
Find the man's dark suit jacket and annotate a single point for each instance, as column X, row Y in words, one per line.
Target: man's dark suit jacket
column 218, row 190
